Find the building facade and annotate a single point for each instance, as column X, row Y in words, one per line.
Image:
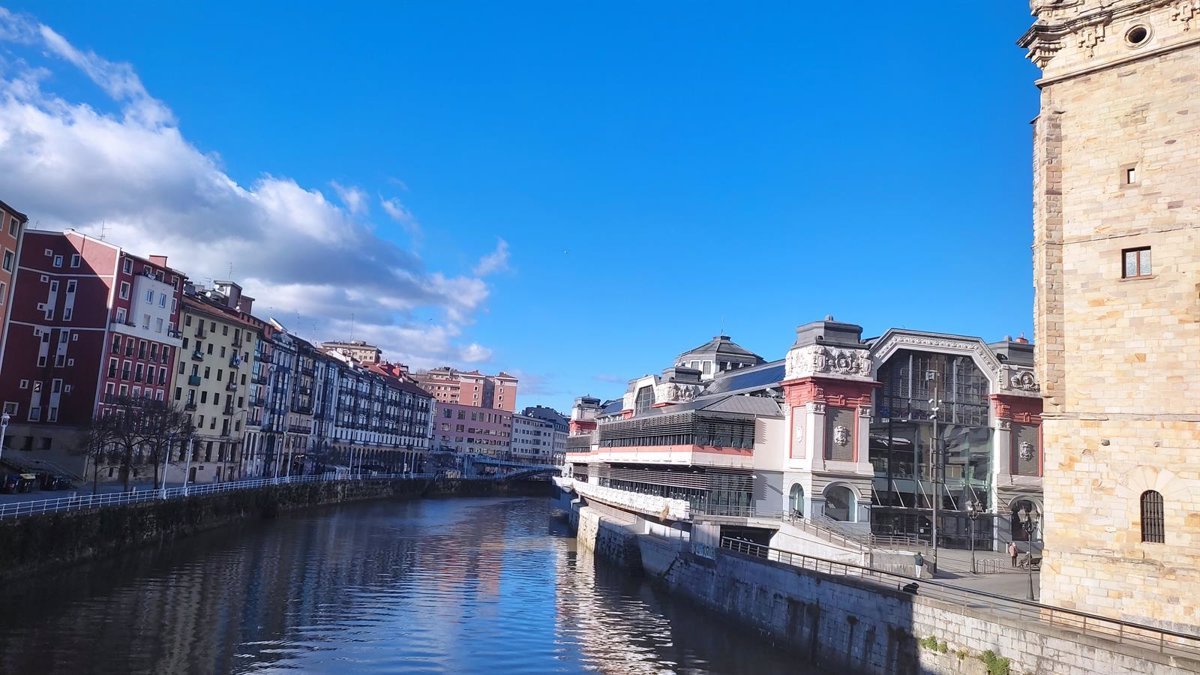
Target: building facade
column 1116, row 215
column 841, row 432
column 470, row 388
column 89, row 322
column 532, row 440
column 213, row 370
column 12, row 229
column 357, row 349
column 467, row 428
column 560, row 426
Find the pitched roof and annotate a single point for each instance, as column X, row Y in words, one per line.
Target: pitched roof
column 723, row 346
column 746, row 380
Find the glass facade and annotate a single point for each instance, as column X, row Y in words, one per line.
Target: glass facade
column 711, row 492
column 908, row 475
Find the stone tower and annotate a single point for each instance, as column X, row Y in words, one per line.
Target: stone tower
column 1116, row 208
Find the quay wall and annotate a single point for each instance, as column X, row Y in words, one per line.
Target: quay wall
column 51, row 541
column 845, row 624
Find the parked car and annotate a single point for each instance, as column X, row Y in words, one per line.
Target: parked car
column 18, row 482
column 49, row 481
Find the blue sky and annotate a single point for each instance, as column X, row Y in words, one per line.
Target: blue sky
column 574, row 191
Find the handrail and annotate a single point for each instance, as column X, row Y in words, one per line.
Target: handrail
column 103, row 500
column 1162, row 640
column 825, row 533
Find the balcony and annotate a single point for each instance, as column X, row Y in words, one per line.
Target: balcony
column 232, row 386
column 299, row 429
column 309, row 371
column 197, row 355
column 259, row 379
column 257, row 401
column 691, row 438
column 228, row 409
column 190, row 405
column 174, row 334
column 194, row 380
column 200, row 332
column 235, row 361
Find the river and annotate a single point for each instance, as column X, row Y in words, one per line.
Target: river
column 428, row 586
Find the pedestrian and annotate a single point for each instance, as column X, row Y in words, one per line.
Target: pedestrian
column 919, row 561
column 1012, row 552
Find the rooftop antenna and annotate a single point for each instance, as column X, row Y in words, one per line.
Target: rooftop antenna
column 103, row 229
column 351, row 326
column 231, row 271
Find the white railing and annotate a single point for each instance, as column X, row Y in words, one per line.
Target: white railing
column 85, row 502
column 664, row 507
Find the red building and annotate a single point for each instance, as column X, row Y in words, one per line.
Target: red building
column 12, row 225
column 89, row 322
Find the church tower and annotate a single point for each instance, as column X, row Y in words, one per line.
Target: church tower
column 1116, row 204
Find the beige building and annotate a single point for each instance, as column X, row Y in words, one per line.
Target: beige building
column 212, row 377
column 359, row 350
column 472, row 388
column 1117, row 308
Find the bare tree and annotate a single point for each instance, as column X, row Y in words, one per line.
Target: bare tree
column 97, row 445
column 139, row 429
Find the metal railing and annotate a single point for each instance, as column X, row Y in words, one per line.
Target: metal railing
column 1160, row 640
column 824, row 533
column 86, row 502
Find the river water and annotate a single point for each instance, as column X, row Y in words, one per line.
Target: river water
column 429, row 586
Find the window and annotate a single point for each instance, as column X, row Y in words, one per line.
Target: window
column 1153, row 529
column 1137, row 262
column 8, row 261
column 12, row 226
column 146, row 321
column 150, row 297
column 124, row 290
column 120, row 315
column 162, row 299
column 127, row 266
column 57, row 261
column 75, row 260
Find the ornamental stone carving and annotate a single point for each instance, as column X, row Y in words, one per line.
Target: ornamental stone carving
column 841, row 435
column 1026, row 451
column 1022, row 381
column 1185, row 11
column 822, row 361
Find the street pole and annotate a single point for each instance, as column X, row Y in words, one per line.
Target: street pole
column 1030, row 528
column 973, row 515
column 4, row 419
column 166, row 456
column 187, row 468
column 935, row 463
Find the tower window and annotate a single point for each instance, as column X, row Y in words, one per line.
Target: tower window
column 1137, row 35
column 1153, row 530
column 1136, row 262
column 1130, row 175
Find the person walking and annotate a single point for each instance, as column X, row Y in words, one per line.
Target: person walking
column 1012, row 552
column 919, row 562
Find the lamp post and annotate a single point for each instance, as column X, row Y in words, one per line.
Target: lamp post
column 974, row 508
column 187, row 467
column 935, row 461
column 166, row 456
column 1030, row 524
column 4, row 419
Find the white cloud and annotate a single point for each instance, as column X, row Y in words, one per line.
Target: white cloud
column 496, row 261
column 356, row 200
column 130, row 173
column 400, row 213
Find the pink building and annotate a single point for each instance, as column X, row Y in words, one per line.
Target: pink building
column 471, row 388
column 465, row 428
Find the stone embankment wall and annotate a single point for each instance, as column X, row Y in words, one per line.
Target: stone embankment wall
column 845, row 624
column 51, row 541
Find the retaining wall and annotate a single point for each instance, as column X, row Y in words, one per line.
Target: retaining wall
column 844, row 624
column 50, row 541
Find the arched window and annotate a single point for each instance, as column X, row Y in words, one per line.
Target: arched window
column 796, row 500
column 839, row 503
column 1153, row 529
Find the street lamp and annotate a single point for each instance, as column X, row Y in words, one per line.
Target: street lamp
column 166, row 456
column 1030, row 525
column 935, row 461
column 974, row 509
column 3, row 430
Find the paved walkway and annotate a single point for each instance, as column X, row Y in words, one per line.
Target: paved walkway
column 954, row 567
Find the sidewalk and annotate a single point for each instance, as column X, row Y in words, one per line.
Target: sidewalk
column 954, row 567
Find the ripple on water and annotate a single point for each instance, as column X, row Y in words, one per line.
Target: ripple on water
column 446, row 586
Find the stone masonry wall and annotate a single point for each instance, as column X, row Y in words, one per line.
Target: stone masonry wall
column 1120, row 358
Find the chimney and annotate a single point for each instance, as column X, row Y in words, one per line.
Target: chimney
column 160, row 260
column 245, row 303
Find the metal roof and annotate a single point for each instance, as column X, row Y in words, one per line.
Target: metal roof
column 748, row 379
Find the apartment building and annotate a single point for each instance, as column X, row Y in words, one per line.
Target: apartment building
column 89, row 322
column 213, row 370
column 470, row 388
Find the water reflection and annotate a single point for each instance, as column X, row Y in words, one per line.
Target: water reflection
column 463, row 586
